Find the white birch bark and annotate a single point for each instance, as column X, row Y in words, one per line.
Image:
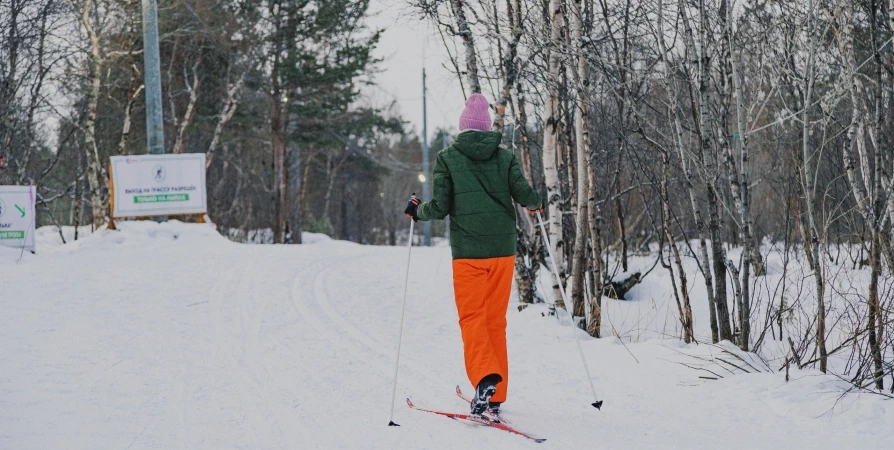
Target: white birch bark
column 705, row 261
column 807, row 173
column 867, row 184
column 706, row 162
column 226, row 113
column 594, row 327
column 888, row 179
column 510, row 63
column 741, row 191
column 855, row 136
column 94, row 167
column 686, row 309
column 190, row 108
column 128, row 122
column 553, row 128
column 465, row 33
column 582, row 140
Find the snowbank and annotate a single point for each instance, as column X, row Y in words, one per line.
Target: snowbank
column 172, row 336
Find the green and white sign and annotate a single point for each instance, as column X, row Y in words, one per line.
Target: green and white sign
column 17, row 216
column 158, row 185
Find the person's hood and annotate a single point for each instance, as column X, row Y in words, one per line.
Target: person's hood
column 478, row 145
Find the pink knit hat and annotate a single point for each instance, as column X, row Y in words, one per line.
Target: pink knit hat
column 476, row 115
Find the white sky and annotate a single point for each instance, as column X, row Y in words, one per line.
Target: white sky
column 407, row 44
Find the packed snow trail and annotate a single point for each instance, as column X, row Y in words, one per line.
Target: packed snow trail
column 170, row 336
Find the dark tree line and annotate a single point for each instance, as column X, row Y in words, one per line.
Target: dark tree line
column 270, row 91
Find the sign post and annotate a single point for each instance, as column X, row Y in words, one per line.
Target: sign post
column 158, row 185
column 17, row 216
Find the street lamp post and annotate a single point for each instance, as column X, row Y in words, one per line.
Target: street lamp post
column 426, row 184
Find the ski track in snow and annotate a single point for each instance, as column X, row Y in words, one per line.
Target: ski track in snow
column 169, row 336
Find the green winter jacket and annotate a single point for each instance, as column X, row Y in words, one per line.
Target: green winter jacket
column 475, row 182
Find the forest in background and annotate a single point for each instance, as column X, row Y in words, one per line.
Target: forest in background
column 270, row 91
column 680, row 128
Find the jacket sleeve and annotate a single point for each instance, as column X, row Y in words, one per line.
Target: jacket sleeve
column 520, row 189
column 442, row 194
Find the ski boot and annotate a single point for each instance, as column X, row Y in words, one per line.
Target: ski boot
column 487, row 387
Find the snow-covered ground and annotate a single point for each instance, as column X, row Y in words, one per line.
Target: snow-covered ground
column 171, row 336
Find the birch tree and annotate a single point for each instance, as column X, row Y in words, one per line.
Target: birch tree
column 582, row 146
column 553, row 128
column 94, row 164
column 866, row 184
column 464, row 31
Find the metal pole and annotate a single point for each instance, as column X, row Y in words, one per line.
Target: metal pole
column 400, row 333
column 155, row 137
column 426, row 185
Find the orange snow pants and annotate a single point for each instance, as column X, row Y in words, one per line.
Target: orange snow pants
column 482, row 288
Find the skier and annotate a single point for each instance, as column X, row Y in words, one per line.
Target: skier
column 475, row 182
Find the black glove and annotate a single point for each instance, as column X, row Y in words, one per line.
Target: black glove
column 412, row 206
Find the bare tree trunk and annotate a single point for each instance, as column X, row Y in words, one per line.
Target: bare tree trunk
column 77, row 194
column 886, row 180
column 875, row 320
column 867, row 192
column 332, row 172
column 552, row 131
column 190, row 108
column 582, row 140
column 302, row 197
column 807, row 174
column 594, row 328
column 704, row 262
column 719, row 260
column 855, row 131
column 35, row 97
column 715, row 224
column 685, row 310
column 7, row 113
column 526, row 256
column 740, row 190
column 527, row 260
column 277, row 119
column 510, row 64
column 465, row 34
column 94, row 167
column 887, row 248
column 619, row 211
column 134, row 93
column 226, row 113
column 622, row 63
column 525, row 139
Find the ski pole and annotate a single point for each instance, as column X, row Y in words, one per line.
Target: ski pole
column 400, row 333
column 555, row 269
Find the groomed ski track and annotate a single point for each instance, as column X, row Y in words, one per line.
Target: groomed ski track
column 171, row 337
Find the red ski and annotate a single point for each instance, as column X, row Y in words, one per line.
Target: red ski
column 477, row 419
column 495, row 415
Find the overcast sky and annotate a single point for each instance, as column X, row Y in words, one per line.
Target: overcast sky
column 407, row 44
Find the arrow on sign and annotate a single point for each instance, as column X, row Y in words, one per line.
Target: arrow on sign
column 21, row 210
